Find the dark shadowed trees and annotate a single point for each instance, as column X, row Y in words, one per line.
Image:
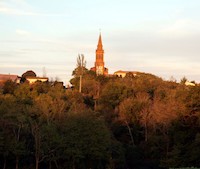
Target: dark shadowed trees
column 131, row 122
column 87, row 141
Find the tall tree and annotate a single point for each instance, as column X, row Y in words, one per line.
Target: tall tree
column 13, row 124
column 81, row 64
column 87, row 141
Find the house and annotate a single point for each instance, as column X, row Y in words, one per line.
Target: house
column 31, row 77
column 6, row 77
column 189, row 83
column 121, row 73
column 32, row 80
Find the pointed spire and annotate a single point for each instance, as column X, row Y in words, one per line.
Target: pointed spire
column 99, row 46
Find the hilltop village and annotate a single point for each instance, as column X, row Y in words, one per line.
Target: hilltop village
column 125, row 120
column 99, row 68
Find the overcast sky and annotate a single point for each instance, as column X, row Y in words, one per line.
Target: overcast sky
column 161, row 37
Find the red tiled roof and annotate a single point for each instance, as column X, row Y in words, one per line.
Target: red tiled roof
column 4, row 77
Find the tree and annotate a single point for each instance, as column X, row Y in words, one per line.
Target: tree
column 135, row 110
column 80, row 68
column 24, row 94
column 13, row 123
column 49, row 143
column 126, row 115
column 87, row 141
column 183, row 80
column 48, row 108
column 28, row 73
column 112, row 94
column 9, row 87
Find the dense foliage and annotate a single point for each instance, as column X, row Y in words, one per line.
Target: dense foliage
column 115, row 123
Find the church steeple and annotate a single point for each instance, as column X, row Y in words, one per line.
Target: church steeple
column 99, row 46
column 99, row 62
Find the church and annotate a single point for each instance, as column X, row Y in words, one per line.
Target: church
column 99, row 65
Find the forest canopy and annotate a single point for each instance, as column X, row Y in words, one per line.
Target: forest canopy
column 133, row 122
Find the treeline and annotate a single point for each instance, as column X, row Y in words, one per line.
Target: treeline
column 115, row 123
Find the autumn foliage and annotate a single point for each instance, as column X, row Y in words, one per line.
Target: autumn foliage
column 133, row 122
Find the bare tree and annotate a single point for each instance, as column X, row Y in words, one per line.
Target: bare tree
column 126, row 115
column 81, row 64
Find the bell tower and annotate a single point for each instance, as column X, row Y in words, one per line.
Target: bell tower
column 99, row 62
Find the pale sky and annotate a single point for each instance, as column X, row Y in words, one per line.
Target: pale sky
column 161, row 37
